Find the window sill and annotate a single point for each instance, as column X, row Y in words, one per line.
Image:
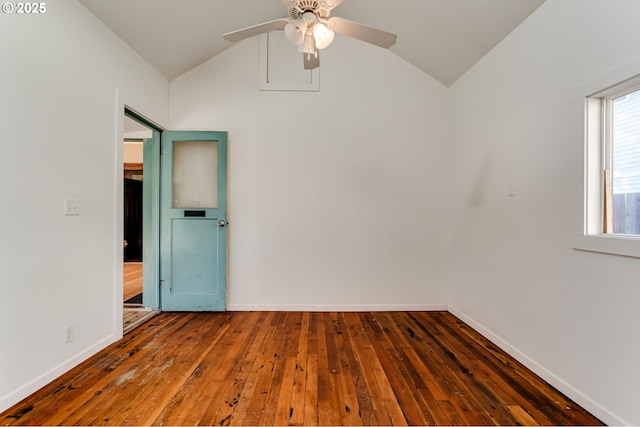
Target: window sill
column 614, row 245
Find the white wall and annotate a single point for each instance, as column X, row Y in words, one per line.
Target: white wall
column 64, row 80
column 518, row 119
column 132, row 152
column 335, row 197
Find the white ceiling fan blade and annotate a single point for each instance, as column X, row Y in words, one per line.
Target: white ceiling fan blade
column 330, row 3
column 362, row 32
column 333, row 3
column 311, row 61
column 245, row 33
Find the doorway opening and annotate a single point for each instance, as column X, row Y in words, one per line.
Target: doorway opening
column 138, row 144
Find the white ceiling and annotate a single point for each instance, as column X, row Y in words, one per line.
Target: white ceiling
column 135, row 131
column 444, row 38
column 131, row 126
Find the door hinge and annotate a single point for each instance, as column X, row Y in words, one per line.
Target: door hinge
column 161, row 282
column 161, row 149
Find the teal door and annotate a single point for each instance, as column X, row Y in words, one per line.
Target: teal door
column 193, row 215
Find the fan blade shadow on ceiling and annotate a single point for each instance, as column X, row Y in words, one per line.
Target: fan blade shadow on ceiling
column 245, row 33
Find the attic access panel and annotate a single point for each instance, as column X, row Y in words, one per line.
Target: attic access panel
column 281, row 66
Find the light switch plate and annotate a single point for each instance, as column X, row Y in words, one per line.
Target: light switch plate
column 71, row 207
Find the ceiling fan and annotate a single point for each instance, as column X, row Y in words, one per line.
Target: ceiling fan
column 310, row 28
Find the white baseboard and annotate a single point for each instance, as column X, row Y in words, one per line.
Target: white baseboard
column 337, row 307
column 581, row 399
column 25, row 391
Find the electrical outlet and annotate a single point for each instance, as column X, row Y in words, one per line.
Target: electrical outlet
column 71, row 207
column 69, row 336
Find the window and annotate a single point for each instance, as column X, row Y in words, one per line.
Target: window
column 612, row 164
column 622, row 167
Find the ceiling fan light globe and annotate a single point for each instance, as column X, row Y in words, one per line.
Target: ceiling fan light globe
column 309, row 45
column 295, row 32
column 322, row 35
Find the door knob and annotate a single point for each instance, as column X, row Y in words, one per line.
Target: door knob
column 221, row 223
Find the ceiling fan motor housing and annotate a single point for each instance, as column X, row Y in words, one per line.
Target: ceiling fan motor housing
column 297, row 8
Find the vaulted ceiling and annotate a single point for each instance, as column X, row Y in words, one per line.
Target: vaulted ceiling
column 444, row 38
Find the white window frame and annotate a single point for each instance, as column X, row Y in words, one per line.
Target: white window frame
column 595, row 96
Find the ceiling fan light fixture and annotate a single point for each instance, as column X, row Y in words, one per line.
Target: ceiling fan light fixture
column 309, row 45
column 322, row 35
column 310, row 27
column 295, row 32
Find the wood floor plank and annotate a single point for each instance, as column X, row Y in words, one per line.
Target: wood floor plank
column 168, row 363
column 349, row 374
column 132, row 279
column 291, row 368
column 521, row 416
column 230, row 378
column 497, row 378
column 429, row 389
column 404, row 389
column 472, row 393
column 190, row 403
column 262, row 375
column 358, row 388
column 86, row 391
column 252, row 368
column 337, row 397
column 160, row 402
column 273, row 407
column 285, row 408
column 427, row 383
column 508, row 370
column 325, row 380
column 311, row 380
column 236, row 377
column 296, row 415
column 386, row 409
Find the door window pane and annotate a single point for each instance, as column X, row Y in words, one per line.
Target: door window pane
column 195, row 174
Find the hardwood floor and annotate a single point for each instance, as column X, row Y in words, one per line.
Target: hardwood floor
column 132, row 279
column 279, row 368
column 134, row 315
